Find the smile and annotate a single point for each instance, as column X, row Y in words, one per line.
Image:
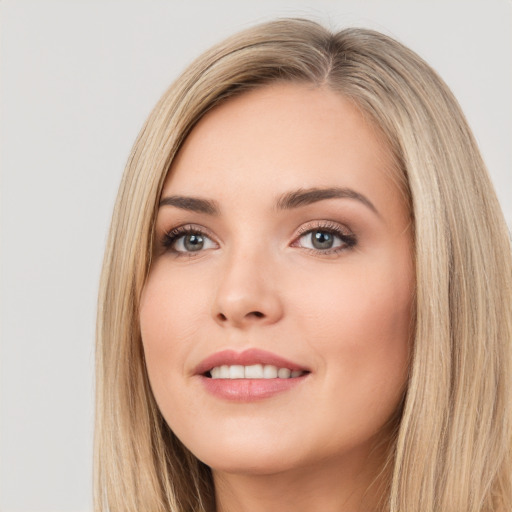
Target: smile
column 254, row 371
column 248, row 376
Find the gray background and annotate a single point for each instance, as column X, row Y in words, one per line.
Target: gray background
column 77, row 80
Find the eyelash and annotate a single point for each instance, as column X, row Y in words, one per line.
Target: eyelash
column 348, row 240
column 172, row 236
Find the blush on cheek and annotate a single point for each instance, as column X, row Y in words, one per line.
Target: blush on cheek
column 366, row 328
column 171, row 310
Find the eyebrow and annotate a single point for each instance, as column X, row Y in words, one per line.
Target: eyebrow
column 303, row 197
column 192, row 204
column 288, row 201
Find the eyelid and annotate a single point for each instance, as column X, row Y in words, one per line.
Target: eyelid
column 328, row 225
column 347, row 237
column 170, row 236
column 345, row 234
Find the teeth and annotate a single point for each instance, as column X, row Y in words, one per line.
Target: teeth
column 270, row 372
column 284, row 373
column 236, row 372
column 254, row 371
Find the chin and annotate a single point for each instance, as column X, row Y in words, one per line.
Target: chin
column 248, row 454
column 247, row 462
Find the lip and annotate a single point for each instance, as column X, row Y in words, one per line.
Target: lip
column 247, row 390
column 246, row 358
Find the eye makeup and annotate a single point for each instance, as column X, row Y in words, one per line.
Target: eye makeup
column 322, row 238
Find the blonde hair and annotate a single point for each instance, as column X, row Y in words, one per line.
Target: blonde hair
column 452, row 450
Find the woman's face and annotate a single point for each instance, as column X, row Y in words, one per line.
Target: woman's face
column 276, row 317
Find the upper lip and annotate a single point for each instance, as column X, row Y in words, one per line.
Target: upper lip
column 246, row 358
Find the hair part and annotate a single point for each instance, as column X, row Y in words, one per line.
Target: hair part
column 452, row 447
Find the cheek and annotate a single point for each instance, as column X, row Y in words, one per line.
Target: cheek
column 170, row 319
column 360, row 324
column 358, row 303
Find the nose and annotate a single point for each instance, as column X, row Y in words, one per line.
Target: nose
column 247, row 293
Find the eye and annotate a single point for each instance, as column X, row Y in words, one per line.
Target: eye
column 326, row 239
column 186, row 239
column 192, row 242
column 321, row 239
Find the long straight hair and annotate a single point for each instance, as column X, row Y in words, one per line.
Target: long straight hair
column 452, row 449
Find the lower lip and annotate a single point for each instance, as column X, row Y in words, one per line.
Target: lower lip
column 249, row 390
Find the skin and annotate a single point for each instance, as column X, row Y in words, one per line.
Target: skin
column 259, row 282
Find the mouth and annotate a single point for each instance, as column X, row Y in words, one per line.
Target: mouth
column 249, row 375
column 254, row 371
column 249, row 364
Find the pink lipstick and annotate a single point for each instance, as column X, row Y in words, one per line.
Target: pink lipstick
column 249, row 375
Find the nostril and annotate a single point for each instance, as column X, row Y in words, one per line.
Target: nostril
column 254, row 314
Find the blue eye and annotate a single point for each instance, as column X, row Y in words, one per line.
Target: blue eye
column 327, row 240
column 187, row 240
column 322, row 239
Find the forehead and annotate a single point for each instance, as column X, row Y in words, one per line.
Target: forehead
column 280, row 137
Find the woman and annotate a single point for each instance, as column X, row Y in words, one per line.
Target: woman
column 306, row 296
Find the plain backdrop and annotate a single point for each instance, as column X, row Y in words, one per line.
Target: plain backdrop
column 77, row 81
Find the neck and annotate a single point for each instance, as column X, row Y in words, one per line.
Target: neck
column 331, row 486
